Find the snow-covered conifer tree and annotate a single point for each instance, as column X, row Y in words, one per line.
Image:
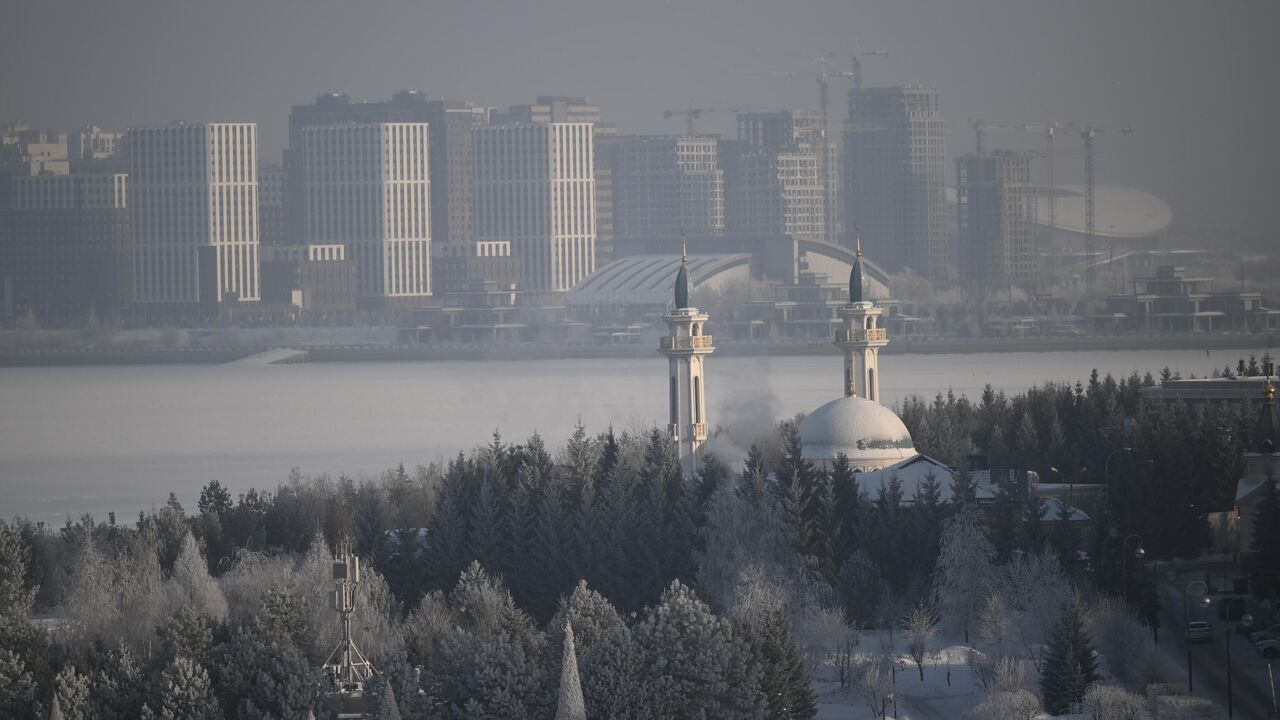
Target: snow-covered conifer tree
column 569, row 705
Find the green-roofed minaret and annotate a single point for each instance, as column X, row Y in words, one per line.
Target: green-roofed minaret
column 682, row 277
column 855, row 273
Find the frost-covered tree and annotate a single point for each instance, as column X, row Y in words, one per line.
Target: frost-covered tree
column 71, row 694
column 191, row 588
column 861, row 588
column 569, row 702
column 1011, row 705
column 964, row 569
column 388, row 708
column 15, row 597
column 17, row 686
column 693, row 662
column 118, row 690
column 612, row 684
column 1034, row 591
column 590, row 614
column 258, row 674
column 920, row 625
column 185, row 693
column 1107, row 702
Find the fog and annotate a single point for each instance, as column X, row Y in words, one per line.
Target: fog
column 1194, row 78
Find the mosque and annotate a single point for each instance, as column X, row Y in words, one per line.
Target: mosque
column 855, row 424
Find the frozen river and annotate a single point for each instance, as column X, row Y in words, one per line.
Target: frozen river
column 93, row 439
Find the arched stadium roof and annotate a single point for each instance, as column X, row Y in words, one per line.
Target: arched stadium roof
column 650, row 279
column 1121, row 212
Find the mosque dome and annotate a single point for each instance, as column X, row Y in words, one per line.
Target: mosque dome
column 866, row 432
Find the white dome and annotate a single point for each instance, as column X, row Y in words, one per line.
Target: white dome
column 866, row 432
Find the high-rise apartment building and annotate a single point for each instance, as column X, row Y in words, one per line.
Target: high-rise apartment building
column 535, row 193
column 895, row 178
column 91, row 147
column 193, row 201
column 271, row 223
column 367, row 187
column 64, row 246
column 774, row 177
column 997, row 203
column 664, row 185
column 605, row 153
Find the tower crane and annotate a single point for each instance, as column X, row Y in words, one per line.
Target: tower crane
column 857, row 75
column 1089, row 133
column 980, row 128
column 1050, row 133
column 692, row 114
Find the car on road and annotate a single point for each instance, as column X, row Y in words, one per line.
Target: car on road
column 1270, row 632
column 1199, row 631
column 1268, row 648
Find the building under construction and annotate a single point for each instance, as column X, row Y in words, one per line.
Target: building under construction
column 996, row 203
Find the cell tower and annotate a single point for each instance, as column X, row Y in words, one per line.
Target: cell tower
column 347, row 666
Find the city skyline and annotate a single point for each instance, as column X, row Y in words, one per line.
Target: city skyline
column 1166, row 87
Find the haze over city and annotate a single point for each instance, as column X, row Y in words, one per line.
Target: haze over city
column 1189, row 76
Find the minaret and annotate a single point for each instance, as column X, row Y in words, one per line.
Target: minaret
column 861, row 337
column 685, row 345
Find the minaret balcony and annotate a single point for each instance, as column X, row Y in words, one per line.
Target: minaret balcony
column 699, row 431
column 860, row 335
column 692, row 342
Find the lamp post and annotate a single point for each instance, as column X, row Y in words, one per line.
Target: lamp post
column 1138, row 552
column 1202, row 601
column 1246, row 620
column 1106, row 466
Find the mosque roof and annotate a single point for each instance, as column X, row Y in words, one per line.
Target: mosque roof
column 866, row 432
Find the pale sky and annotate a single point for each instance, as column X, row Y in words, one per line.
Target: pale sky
column 1196, row 79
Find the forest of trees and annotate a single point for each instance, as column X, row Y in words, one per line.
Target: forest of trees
column 719, row 593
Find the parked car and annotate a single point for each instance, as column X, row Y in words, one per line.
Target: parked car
column 1268, row 648
column 1199, row 631
column 1266, row 632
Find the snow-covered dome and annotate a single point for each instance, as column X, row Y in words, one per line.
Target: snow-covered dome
column 866, row 432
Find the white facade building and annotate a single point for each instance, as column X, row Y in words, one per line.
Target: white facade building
column 193, row 197
column 366, row 186
column 535, row 189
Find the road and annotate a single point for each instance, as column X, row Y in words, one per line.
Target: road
column 1252, row 689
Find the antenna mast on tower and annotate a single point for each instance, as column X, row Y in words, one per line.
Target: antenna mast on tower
column 347, row 666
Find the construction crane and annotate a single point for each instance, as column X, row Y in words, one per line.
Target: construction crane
column 1050, row 133
column 857, row 66
column 1089, row 133
column 980, row 128
column 692, row 114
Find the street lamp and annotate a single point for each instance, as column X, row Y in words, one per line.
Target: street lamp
column 1106, row 466
column 1203, row 601
column 1138, row 552
column 1071, row 484
column 1247, row 621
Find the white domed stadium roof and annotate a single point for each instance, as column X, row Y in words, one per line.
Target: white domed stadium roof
column 866, row 432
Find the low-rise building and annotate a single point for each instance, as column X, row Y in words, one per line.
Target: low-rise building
column 1171, row 301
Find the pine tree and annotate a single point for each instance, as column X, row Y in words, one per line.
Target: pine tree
column 569, row 703
column 71, row 693
column 185, row 693
column 17, row 686
column 1004, row 527
column 15, row 597
column 826, row 539
column 754, row 474
column 785, row 680
column 1034, row 535
column 1070, row 665
column 388, row 708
